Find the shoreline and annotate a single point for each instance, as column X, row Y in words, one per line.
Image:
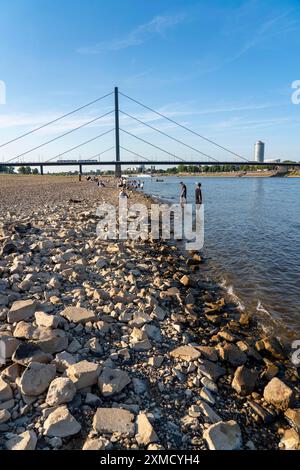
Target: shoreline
column 160, row 343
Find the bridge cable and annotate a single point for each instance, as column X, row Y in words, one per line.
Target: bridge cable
column 80, row 145
column 155, row 146
column 60, row 136
column 184, row 127
column 55, row 120
column 169, row 136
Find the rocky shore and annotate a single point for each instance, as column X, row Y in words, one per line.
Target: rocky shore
column 122, row 345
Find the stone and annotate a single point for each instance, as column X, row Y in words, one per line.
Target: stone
column 232, row 354
column 279, row 394
column 21, row 310
column 84, row 374
column 185, row 280
column 114, row 420
column 145, row 431
column 211, row 370
column 156, row 361
column 36, row 378
column 186, row 353
column 51, row 341
column 209, row 414
column 78, row 315
column 207, row 396
column 63, row 360
column 153, row 332
column 244, row 380
column 273, row 346
column 139, row 319
column 208, row 352
column 290, row 440
column 28, row 352
column 60, row 423
column 25, row 441
column 159, row 313
column 61, row 390
column 265, row 416
column 209, row 384
column 96, row 444
column 45, row 320
column 112, row 381
column 10, row 344
column 293, row 417
column 225, row 435
column 5, row 391
column 4, row 416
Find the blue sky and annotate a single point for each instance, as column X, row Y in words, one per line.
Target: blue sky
column 224, row 68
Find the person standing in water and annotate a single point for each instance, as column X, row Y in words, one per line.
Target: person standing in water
column 198, row 194
column 183, row 194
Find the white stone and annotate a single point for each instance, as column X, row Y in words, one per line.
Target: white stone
column 145, row 431
column 225, row 435
column 84, row 374
column 60, row 423
column 25, row 441
column 36, row 378
column 61, row 390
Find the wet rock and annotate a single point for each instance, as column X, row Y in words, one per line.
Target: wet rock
column 61, row 390
column 244, row 380
column 21, row 310
column 78, row 315
column 293, row 417
column 145, row 431
column 28, row 352
column 112, row 381
column 111, row 420
column 25, row 441
column 279, row 394
column 225, row 435
column 186, row 353
column 83, row 374
column 36, row 378
column 60, row 423
column 5, row 391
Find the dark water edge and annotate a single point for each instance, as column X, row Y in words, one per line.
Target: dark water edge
column 252, row 249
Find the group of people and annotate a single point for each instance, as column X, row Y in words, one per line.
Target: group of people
column 93, row 179
column 130, row 184
column 183, row 194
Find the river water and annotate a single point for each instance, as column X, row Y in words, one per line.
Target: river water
column 252, row 242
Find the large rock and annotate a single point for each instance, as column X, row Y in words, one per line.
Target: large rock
column 5, row 391
column 4, row 416
column 10, row 344
column 186, row 353
column 145, row 432
column 232, row 354
column 64, row 360
column 21, row 310
column 112, row 381
column 36, row 378
column 61, row 390
column 211, row 370
column 225, row 435
column 25, row 441
column 96, row 444
column 290, row 440
column 111, row 420
column 244, row 380
column 279, row 394
column 84, row 374
column 60, row 423
column 293, row 417
column 51, row 341
column 45, row 320
column 28, row 352
column 78, row 314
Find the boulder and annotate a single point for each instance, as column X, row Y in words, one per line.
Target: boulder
column 4, row 416
column 244, row 380
column 10, row 344
column 186, row 353
column 25, row 441
column 232, row 354
column 225, row 435
column 63, row 360
column 279, row 394
column 60, row 423
column 145, row 431
column 112, row 381
column 28, row 352
column 84, row 374
column 21, row 310
column 78, row 314
column 5, row 391
column 293, row 417
column 111, row 420
column 51, row 341
column 61, row 390
column 36, row 378
column 290, row 440
column 211, row 370
column 45, row 320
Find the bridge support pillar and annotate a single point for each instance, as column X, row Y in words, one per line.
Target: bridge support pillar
column 41, row 170
column 118, row 172
column 80, row 172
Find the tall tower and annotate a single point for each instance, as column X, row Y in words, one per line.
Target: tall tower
column 259, row 152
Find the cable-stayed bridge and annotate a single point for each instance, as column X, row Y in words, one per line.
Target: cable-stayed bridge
column 117, row 132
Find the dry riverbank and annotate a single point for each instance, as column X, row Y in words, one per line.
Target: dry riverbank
column 121, row 345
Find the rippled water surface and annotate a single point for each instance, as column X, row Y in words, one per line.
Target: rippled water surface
column 252, row 241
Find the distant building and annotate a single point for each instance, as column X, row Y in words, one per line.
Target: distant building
column 276, row 160
column 259, row 152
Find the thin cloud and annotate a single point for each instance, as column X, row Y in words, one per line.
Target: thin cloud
column 157, row 26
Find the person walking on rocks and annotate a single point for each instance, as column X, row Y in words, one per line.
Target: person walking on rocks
column 183, row 192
